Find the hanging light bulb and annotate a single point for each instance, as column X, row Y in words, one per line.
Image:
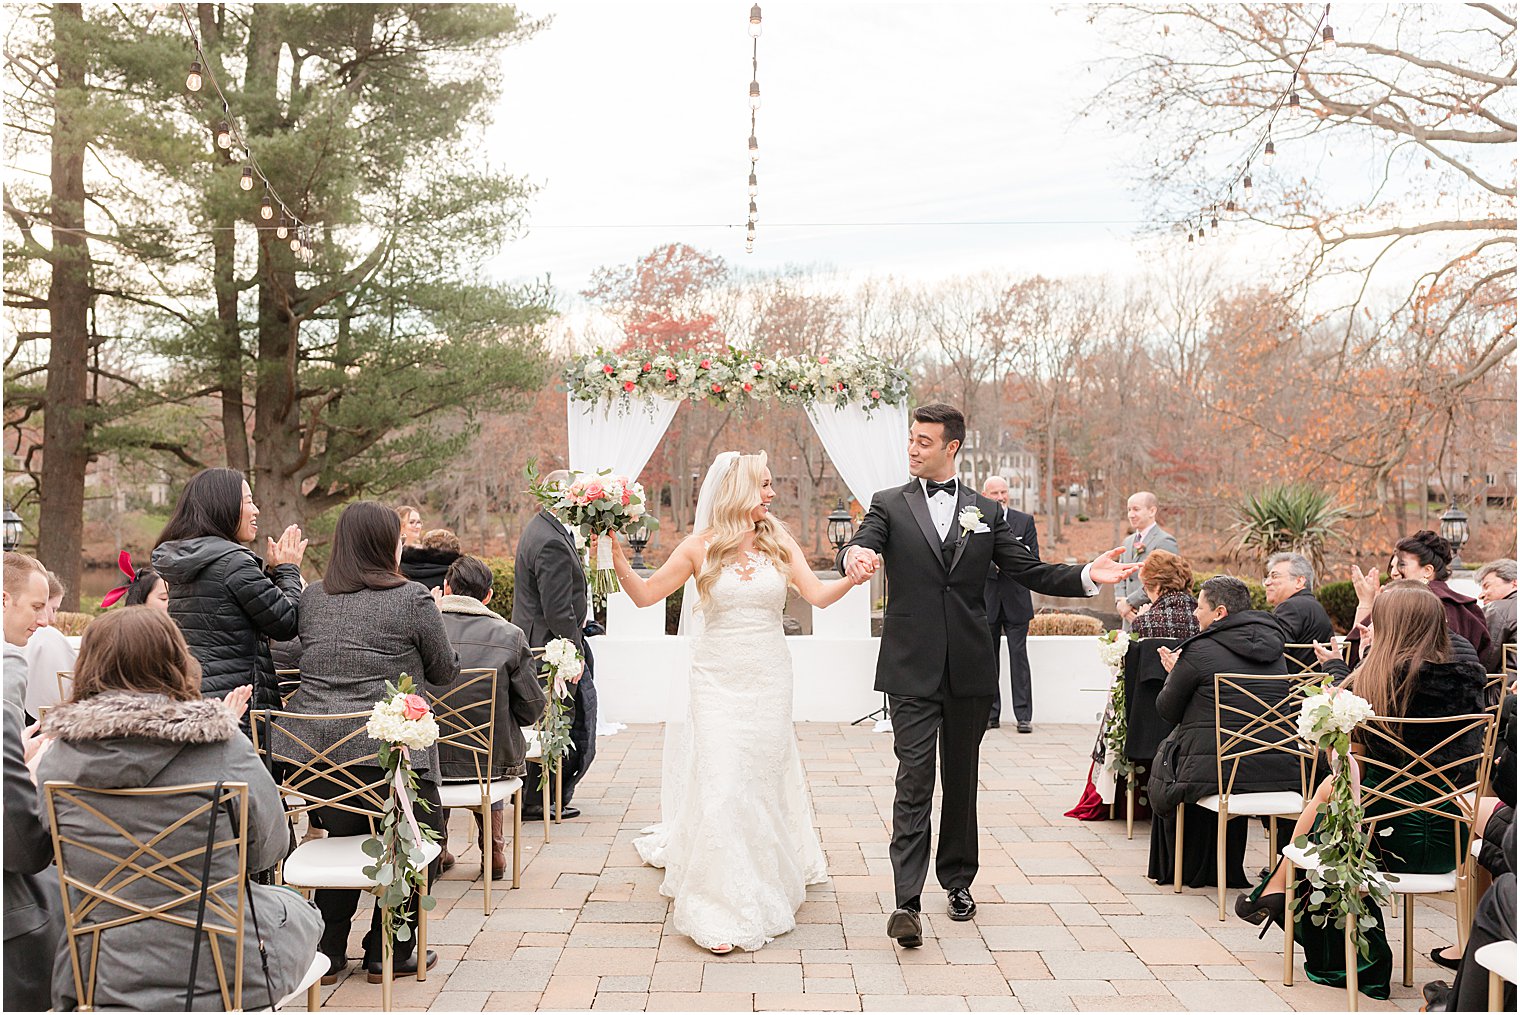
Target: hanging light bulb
column 223, row 135
column 1229, row 205
column 1246, row 183
column 295, row 241
column 754, row 185
column 754, row 22
column 282, row 230
column 193, row 80
column 1328, row 35
column 754, row 211
column 1190, row 235
column 754, row 149
column 1293, row 102
column 266, row 208
column 246, row 182
column 754, row 95
column 1269, row 153
column 749, row 230
column 749, row 246
column 1214, row 222
column 1200, row 232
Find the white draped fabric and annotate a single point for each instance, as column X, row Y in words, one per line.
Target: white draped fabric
column 869, row 451
column 617, row 436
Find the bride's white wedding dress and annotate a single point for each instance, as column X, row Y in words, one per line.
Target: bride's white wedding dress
column 737, row 841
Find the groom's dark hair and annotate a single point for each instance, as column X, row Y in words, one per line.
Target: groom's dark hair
column 947, row 416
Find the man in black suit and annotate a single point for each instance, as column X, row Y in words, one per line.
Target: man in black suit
column 548, row 602
column 936, row 662
column 1290, row 594
column 1009, row 611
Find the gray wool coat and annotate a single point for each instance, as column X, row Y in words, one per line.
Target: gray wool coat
column 122, row 740
column 351, row 644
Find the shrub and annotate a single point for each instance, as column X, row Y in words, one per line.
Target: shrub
column 502, row 584
column 1065, row 623
column 1339, row 600
column 1292, row 518
column 1257, row 590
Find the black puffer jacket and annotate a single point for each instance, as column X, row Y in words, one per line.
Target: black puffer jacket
column 426, row 567
column 1185, row 769
column 228, row 607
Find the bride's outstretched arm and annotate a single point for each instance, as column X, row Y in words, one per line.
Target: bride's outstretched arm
column 809, row 586
column 671, row 575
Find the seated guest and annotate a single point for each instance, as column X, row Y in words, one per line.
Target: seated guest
column 1166, row 580
column 364, row 624
column 1290, row 592
column 427, row 563
column 411, row 524
column 486, row 640
column 138, row 721
column 1426, row 557
column 144, row 586
column 32, row 927
column 25, row 599
column 1409, row 671
column 1498, row 582
column 1233, row 638
column 223, row 597
column 48, row 652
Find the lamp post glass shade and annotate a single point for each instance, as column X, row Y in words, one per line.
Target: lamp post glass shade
column 1454, row 531
column 12, row 522
column 841, row 526
column 638, row 538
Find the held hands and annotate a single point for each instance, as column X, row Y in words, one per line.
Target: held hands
column 860, row 564
column 1106, row 569
column 290, row 549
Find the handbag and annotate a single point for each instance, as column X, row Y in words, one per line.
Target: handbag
column 200, row 909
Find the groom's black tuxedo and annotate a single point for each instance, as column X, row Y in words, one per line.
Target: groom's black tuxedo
column 939, row 665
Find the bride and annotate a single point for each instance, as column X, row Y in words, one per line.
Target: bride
column 737, row 840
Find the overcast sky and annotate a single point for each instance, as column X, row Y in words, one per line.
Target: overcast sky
column 633, row 118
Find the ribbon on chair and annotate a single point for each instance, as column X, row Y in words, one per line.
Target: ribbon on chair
column 406, row 798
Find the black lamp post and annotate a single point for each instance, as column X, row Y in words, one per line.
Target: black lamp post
column 841, row 526
column 12, row 522
column 638, row 538
column 1454, row 531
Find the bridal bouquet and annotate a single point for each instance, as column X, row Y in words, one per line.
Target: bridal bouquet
column 403, row 722
column 596, row 504
column 1345, row 867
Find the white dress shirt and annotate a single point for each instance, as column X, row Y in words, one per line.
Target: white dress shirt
column 941, row 507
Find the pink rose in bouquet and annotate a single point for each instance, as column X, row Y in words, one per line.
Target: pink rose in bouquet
column 596, row 504
column 414, row 706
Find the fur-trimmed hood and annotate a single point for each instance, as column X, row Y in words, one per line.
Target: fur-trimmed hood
column 123, row 739
column 466, row 604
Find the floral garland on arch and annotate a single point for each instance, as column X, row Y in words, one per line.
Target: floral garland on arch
column 738, row 377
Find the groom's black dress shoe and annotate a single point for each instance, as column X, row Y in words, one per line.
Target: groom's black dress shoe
column 961, row 905
column 993, row 724
column 537, row 814
column 905, row 927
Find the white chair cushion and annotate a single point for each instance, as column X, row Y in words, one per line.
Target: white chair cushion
column 1498, row 957
column 1407, row 884
column 336, row 862
column 535, row 746
column 467, row 794
column 1282, row 804
column 318, row 969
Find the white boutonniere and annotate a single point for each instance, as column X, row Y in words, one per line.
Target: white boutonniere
column 971, row 520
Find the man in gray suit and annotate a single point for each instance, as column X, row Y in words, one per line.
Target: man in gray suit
column 1145, row 537
column 1009, row 611
column 549, row 602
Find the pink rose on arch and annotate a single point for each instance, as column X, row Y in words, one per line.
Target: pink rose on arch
column 414, row 706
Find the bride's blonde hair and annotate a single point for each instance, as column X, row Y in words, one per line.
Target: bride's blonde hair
column 733, row 504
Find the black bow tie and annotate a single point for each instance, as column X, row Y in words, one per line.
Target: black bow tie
column 948, row 486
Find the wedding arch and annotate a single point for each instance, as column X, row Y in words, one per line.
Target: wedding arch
column 620, row 405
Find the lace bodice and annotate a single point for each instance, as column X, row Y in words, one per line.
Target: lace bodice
column 747, row 597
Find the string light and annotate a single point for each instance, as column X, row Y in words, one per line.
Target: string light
column 754, row 22
column 754, row 140
column 229, row 139
column 754, row 212
column 1266, row 146
column 754, row 95
column 754, row 149
column 754, row 184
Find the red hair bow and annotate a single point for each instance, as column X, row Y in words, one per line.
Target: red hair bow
column 124, row 562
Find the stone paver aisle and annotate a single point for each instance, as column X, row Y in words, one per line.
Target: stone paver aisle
column 1067, row 921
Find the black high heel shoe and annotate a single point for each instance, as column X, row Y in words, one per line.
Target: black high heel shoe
column 1441, row 960
column 1263, row 910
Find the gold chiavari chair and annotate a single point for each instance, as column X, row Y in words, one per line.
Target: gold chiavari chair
column 310, row 779
column 466, row 716
column 287, row 682
column 1498, row 958
column 157, row 878
column 1448, row 792
column 1511, row 662
column 65, row 685
column 1301, row 659
column 1260, row 719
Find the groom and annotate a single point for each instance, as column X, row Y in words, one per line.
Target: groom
column 937, row 663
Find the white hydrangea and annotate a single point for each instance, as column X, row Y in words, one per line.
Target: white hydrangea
column 563, row 657
column 1112, row 653
column 1332, row 711
column 387, row 723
